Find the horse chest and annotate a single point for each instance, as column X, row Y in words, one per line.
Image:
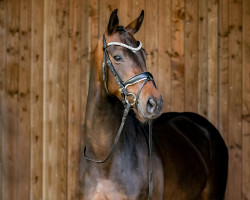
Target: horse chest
column 122, row 180
column 118, row 183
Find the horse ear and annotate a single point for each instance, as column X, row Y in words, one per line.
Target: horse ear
column 135, row 25
column 113, row 22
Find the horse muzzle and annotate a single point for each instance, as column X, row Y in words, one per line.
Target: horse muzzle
column 154, row 107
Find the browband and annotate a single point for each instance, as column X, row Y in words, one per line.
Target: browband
column 126, row 46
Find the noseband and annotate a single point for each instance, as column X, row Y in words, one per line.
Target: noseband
column 144, row 76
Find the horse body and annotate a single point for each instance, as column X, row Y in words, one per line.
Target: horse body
column 189, row 155
column 194, row 156
column 125, row 174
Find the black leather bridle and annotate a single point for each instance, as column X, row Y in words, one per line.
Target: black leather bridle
column 144, row 76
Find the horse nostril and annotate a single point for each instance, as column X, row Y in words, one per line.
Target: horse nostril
column 151, row 105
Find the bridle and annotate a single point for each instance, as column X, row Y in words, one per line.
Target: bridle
column 144, row 76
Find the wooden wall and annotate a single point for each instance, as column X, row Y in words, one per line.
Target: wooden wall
column 199, row 54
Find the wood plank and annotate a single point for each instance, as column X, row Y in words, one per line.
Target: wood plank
column 61, row 98
column 105, row 9
column 93, row 26
column 223, row 68
column 191, row 55
column 3, row 25
column 151, row 37
column 164, row 53
column 235, row 100
column 137, row 7
column 77, row 10
column 202, row 58
column 125, row 12
column 36, row 93
column 246, row 100
column 85, row 62
column 213, row 62
column 11, row 101
column 177, row 56
column 50, row 115
column 23, row 139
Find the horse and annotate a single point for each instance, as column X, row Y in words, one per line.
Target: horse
column 133, row 150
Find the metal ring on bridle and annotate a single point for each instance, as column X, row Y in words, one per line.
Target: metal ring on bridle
column 134, row 100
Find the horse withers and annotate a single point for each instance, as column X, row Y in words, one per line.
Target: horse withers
column 185, row 160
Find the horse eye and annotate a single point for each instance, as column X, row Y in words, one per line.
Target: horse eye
column 117, row 58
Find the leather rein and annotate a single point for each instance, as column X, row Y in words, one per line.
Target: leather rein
column 144, row 76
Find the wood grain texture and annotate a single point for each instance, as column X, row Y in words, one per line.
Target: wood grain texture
column 125, row 12
column 246, row 100
column 177, row 55
column 223, row 67
column 61, row 101
column 11, row 101
column 198, row 53
column 93, row 26
column 224, row 30
column 36, row 107
column 235, row 100
column 74, row 98
column 24, row 73
column 191, row 55
column 202, row 58
column 213, row 62
column 50, row 73
column 164, row 56
column 3, row 24
column 137, row 7
column 151, row 36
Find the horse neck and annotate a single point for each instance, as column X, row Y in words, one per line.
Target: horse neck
column 102, row 119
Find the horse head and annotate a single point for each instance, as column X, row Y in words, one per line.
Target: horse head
column 126, row 76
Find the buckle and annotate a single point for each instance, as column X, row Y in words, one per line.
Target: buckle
column 134, row 100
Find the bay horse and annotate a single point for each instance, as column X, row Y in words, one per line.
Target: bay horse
column 181, row 156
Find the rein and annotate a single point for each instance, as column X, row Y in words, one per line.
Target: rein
column 144, row 76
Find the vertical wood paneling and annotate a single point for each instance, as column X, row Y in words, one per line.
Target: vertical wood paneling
column 3, row 25
column 177, row 55
column 202, row 58
column 105, row 9
column 61, row 103
column 11, row 99
column 198, row 53
column 74, row 97
column 213, row 62
column 223, row 67
column 23, row 138
column 151, row 36
column 164, row 66
column 224, row 30
column 125, row 14
column 246, row 100
column 36, row 107
column 235, row 100
column 94, row 26
column 85, row 59
column 50, row 88
column 191, row 55
column 137, row 7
